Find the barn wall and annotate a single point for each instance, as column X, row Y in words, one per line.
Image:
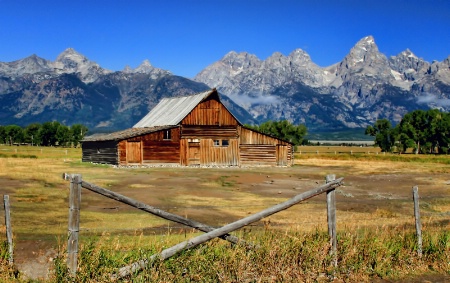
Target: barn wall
column 104, row 152
column 260, row 149
column 153, row 148
column 258, row 154
column 211, row 132
column 210, row 112
column 219, row 155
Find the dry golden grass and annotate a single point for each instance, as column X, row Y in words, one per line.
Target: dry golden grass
column 374, row 166
column 218, row 196
column 40, row 198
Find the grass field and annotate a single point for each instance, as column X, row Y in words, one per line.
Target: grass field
column 374, row 214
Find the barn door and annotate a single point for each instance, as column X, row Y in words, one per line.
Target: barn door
column 194, row 153
column 282, row 155
column 134, row 152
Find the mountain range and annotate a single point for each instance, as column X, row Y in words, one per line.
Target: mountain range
column 363, row 87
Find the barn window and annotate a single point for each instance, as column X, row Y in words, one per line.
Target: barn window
column 167, row 134
column 221, row 142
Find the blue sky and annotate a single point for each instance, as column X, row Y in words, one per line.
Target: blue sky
column 186, row 36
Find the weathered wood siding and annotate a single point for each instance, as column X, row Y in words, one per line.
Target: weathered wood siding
column 100, row 152
column 248, row 136
column 209, row 121
column 204, row 152
column 212, row 132
column 156, row 149
column 134, row 152
column 151, row 148
column 210, row 112
column 258, row 154
column 260, row 149
column 184, row 147
column 211, row 154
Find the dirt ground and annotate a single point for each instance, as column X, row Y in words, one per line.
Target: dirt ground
column 217, row 196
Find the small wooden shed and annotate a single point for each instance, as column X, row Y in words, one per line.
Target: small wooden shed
column 190, row 130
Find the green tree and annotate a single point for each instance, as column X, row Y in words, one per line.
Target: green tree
column 32, row 133
column 283, row 130
column 384, row 134
column 423, row 131
column 63, row 135
column 442, row 135
column 14, row 134
column 47, row 133
column 3, row 134
column 78, row 132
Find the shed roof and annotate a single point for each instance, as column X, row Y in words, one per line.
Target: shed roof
column 171, row 111
column 128, row 133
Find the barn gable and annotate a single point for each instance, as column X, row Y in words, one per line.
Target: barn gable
column 172, row 111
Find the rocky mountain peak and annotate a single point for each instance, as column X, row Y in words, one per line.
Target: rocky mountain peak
column 276, row 60
column 299, row 56
column 71, row 60
column 408, row 53
column 236, row 62
column 365, row 50
column 127, row 69
column 145, row 67
column 408, row 65
column 29, row 65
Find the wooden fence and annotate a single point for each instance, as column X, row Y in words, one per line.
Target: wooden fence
column 76, row 183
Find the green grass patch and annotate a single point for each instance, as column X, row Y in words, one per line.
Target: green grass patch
column 225, row 182
column 31, row 156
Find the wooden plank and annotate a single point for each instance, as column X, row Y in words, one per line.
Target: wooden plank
column 74, row 222
column 417, row 218
column 134, row 267
column 189, row 131
column 9, row 234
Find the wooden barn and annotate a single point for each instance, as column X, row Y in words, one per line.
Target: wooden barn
column 195, row 130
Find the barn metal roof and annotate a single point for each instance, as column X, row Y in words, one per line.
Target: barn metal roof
column 170, row 111
column 128, row 133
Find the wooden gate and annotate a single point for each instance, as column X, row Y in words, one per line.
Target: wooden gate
column 134, row 154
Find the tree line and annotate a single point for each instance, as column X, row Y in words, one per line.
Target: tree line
column 424, row 131
column 284, row 130
column 45, row 134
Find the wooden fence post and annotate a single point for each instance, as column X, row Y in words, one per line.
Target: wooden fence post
column 417, row 217
column 9, row 235
column 331, row 217
column 74, row 223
